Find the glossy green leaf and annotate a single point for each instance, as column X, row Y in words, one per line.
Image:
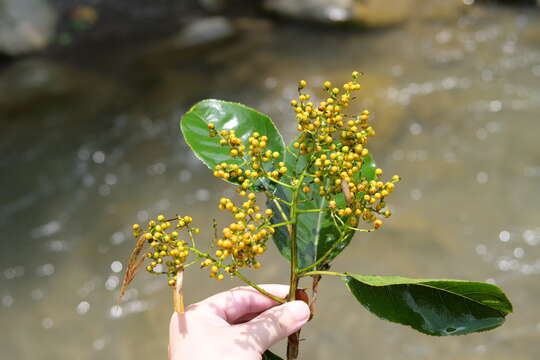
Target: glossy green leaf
column 432, row 306
column 316, row 232
column 268, row 355
column 225, row 116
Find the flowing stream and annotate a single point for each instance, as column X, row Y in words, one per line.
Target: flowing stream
column 456, row 108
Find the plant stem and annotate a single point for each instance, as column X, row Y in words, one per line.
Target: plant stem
column 280, row 224
column 311, row 210
column 293, row 340
column 293, row 232
column 178, row 297
column 258, row 288
column 279, row 182
column 320, row 272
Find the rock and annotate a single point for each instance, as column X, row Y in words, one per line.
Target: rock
column 369, row 13
column 28, row 85
column 377, row 13
column 205, row 31
column 25, row 26
column 193, row 40
column 213, row 5
column 323, row 11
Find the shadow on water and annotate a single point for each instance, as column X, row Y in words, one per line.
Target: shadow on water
column 86, row 152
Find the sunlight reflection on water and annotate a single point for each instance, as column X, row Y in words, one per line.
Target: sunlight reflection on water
column 456, row 114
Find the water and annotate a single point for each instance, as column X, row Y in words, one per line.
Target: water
column 456, row 109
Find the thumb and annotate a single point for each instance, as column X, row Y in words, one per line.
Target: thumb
column 276, row 324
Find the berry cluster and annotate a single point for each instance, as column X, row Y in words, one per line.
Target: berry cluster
column 336, row 145
column 244, row 239
column 254, row 163
column 167, row 249
column 333, row 148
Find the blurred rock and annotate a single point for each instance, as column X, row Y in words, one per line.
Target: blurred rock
column 25, row 26
column 323, row 11
column 370, row 13
column 213, row 5
column 376, row 13
column 196, row 37
column 29, row 84
column 204, row 31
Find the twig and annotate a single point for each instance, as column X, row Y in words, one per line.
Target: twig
column 178, row 297
column 134, row 264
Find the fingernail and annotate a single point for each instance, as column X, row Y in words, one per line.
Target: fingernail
column 299, row 310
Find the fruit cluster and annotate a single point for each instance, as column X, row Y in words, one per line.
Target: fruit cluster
column 168, row 252
column 242, row 240
column 258, row 162
column 336, row 145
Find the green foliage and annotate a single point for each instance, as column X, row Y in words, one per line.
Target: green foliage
column 432, row 306
column 320, row 190
column 317, row 231
column 226, row 116
column 268, row 355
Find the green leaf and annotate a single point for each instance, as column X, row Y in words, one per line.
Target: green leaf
column 225, row 116
column 316, row 232
column 432, row 306
column 268, row 355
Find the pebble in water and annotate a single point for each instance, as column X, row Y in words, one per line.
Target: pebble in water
column 112, row 282
column 531, row 237
column 416, row 194
column 116, row 266
column 117, row 238
column 415, row 129
column 83, row 307
column 47, row 323
column 98, row 157
column 7, row 300
column 482, row 177
column 504, row 236
column 37, row 294
column 202, row 195
column 184, row 176
column 45, row 270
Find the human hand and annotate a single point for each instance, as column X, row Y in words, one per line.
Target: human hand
column 238, row 324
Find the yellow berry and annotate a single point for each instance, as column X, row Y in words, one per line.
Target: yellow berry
column 136, row 227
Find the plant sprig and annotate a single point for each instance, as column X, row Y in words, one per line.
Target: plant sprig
column 320, row 190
